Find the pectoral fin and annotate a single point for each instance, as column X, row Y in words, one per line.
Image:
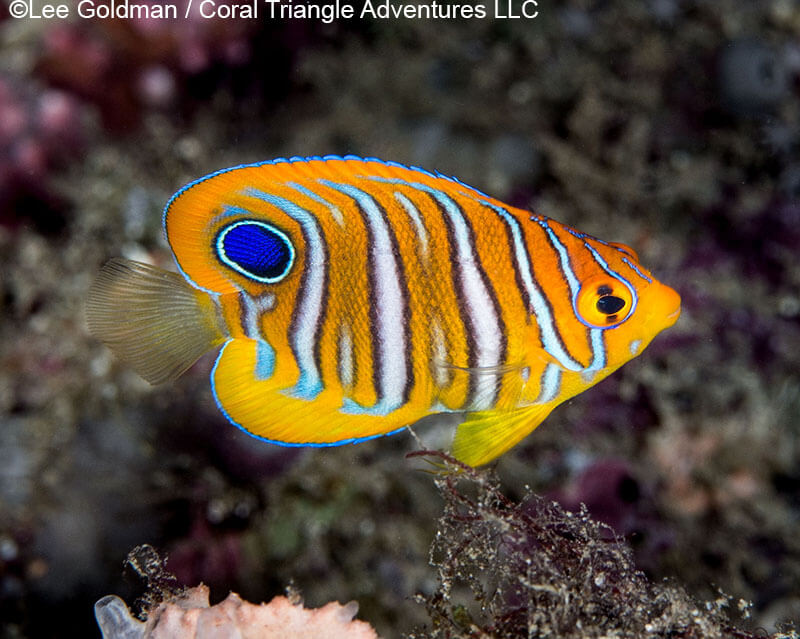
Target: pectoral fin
column 151, row 318
column 485, row 435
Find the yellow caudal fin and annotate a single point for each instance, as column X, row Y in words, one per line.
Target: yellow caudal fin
column 151, row 318
column 485, row 435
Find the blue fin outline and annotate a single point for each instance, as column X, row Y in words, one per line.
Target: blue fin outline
column 291, row 160
column 342, row 442
column 297, row 158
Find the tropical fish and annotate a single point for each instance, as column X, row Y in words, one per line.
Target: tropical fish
column 352, row 297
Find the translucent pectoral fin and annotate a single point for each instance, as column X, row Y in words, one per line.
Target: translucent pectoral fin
column 485, row 435
column 151, row 318
column 500, row 387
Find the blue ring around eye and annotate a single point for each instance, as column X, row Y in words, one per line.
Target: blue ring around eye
column 264, row 254
column 604, row 265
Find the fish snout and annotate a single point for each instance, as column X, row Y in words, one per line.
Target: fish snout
column 666, row 308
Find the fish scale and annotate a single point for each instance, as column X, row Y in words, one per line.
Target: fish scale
column 353, row 297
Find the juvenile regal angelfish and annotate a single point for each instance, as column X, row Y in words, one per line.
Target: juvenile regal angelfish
column 354, row 296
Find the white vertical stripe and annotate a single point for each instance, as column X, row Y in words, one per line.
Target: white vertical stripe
column 439, row 361
column 596, row 340
column 598, row 333
column 478, row 303
column 309, row 309
column 551, row 340
column 566, row 267
column 636, row 270
column 550, row 384
column 253, row 308
column 416, row 219
column 477, row 300
column 346, row 369
column 387, row 299
column 336, row 214
column 598, row 352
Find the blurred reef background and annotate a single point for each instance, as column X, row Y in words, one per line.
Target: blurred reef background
column 670, row 125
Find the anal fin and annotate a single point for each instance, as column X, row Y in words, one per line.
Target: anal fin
column 485, row 435
column 268, row 407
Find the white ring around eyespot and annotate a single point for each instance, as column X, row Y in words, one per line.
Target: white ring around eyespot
column 229, row 262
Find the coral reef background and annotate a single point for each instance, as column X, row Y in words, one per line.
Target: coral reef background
column 670, row 125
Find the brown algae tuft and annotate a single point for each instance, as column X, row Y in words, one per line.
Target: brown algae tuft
column 529, row 568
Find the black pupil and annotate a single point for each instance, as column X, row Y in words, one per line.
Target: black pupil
column 610, row 304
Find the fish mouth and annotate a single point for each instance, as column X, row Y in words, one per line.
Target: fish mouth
column 666, row 309
column 672, row 316
column 670, row 319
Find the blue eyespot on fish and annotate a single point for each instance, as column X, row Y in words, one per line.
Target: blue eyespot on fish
column 352, row 297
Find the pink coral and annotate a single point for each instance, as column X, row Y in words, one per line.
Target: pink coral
column 191, row 616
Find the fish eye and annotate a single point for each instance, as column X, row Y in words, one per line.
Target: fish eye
column 610, row 304
column 603, row 302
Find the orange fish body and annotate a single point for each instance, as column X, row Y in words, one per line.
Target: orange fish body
column 353, row 297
